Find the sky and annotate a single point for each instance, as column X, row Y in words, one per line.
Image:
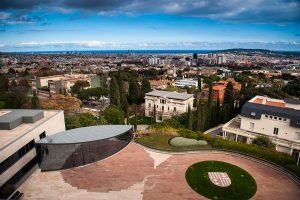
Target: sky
column 59, row 25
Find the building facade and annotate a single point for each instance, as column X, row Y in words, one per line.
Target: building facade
column 165, row 104
column 262, row 116
column 19, row 130
column 186, row 82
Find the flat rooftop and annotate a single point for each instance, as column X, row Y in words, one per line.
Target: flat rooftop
column 9, row 136
column 170, row 95
column 85, row 134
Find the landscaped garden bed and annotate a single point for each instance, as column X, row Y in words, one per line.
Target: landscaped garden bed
column 229, row 181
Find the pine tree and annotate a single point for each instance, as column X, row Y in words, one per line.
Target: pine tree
column 190, row 118
column 114, row 92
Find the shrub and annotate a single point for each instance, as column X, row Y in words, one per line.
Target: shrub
column 185, row 142
column 264, row 142
column 194, row 135
column 258, row 151
column 171, row 123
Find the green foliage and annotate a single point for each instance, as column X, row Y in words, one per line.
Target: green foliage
column 145, row 88
column 134, row 92
column 184, row 142
column 35, row 104
column 190, row 118
column 13, row 83
column 243, row 185
column 171, row 88
column 264, row 142
column 4, row 83
column 169, row 123
column 82, row 120
column 194, row 135
column 293, row 88
column 252, row 149
column 140, row 120
column 210, row 79
column 93, row 93
column 79, row 86
column 114, row 92
column 199, row 83
column 113, row 115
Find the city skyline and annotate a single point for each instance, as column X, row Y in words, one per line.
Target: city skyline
column 40, row 25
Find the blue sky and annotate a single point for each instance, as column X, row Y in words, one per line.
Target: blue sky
column 35, row 25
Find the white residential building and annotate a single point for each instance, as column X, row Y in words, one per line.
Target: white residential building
column 19, row 130
column 186, row 82
column 167, row 104
column 263, row 116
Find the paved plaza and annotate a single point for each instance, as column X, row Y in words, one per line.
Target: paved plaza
column 137, row 173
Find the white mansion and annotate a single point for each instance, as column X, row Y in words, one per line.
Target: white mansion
column 167, row 104
column 263, row 116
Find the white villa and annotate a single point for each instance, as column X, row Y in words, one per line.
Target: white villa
column 263, row 116
column 167, row 104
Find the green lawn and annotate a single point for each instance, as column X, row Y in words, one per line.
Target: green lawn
column 243, row 186
column 161, row 142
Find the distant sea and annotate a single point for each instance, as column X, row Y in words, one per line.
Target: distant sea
column 117, row 52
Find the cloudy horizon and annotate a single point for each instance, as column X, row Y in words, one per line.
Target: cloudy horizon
column 40, row 25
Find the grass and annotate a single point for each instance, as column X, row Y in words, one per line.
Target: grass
column 161, row 142
column 243, row 186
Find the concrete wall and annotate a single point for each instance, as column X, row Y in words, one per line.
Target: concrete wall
column 53, row 125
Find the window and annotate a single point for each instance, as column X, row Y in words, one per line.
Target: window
column 43, row 135
column 251, row 125
column 162, row 108
column 271, row 117
column 275, row 131
column 163, row 101
column 149, row 105
column 298, row 122
column 280, row 118
column 8, row 162
column 174, row 108
column 275, row 117
column 266, row 116
column 284, row 119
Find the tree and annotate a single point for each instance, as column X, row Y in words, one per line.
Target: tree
column 113, row 115
column 145, row 88
column 35, row 104
column 134, row 92
column 114, row 92
column 79, row 86
column 264, row 142
column 199, row 83
column 293, row 88
column 68, row 104
column 123, row 97
column 190, row 119
column 72, row 122
column 87, row 119
column 198, row 121
column 4, row 83
column 218, row 112
column 228, row 102
column 13, row 83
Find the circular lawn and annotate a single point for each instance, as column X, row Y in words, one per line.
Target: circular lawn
column 240, row 186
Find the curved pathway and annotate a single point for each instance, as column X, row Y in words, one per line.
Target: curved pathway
column 138, row 173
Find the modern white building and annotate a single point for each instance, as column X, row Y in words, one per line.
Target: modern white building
column 186, row 82
column 166, row 104
column 263, row 116
column 19, row 130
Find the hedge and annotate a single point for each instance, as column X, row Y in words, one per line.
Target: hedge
column 194, row 135
column 258, row 151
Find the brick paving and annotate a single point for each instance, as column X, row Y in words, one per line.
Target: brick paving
column 136, row 173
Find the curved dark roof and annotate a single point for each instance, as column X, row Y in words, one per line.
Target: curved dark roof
column 259, row 109
column 85, row 134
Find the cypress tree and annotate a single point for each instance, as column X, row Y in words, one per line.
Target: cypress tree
column 134, row 92
column 190, row 118
column 154, row 113
column 199, row 84
column 145, row 87
column 114, row 92
column 35, row 104
column 198, row 123
column 218, row 114
column 229, row 101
